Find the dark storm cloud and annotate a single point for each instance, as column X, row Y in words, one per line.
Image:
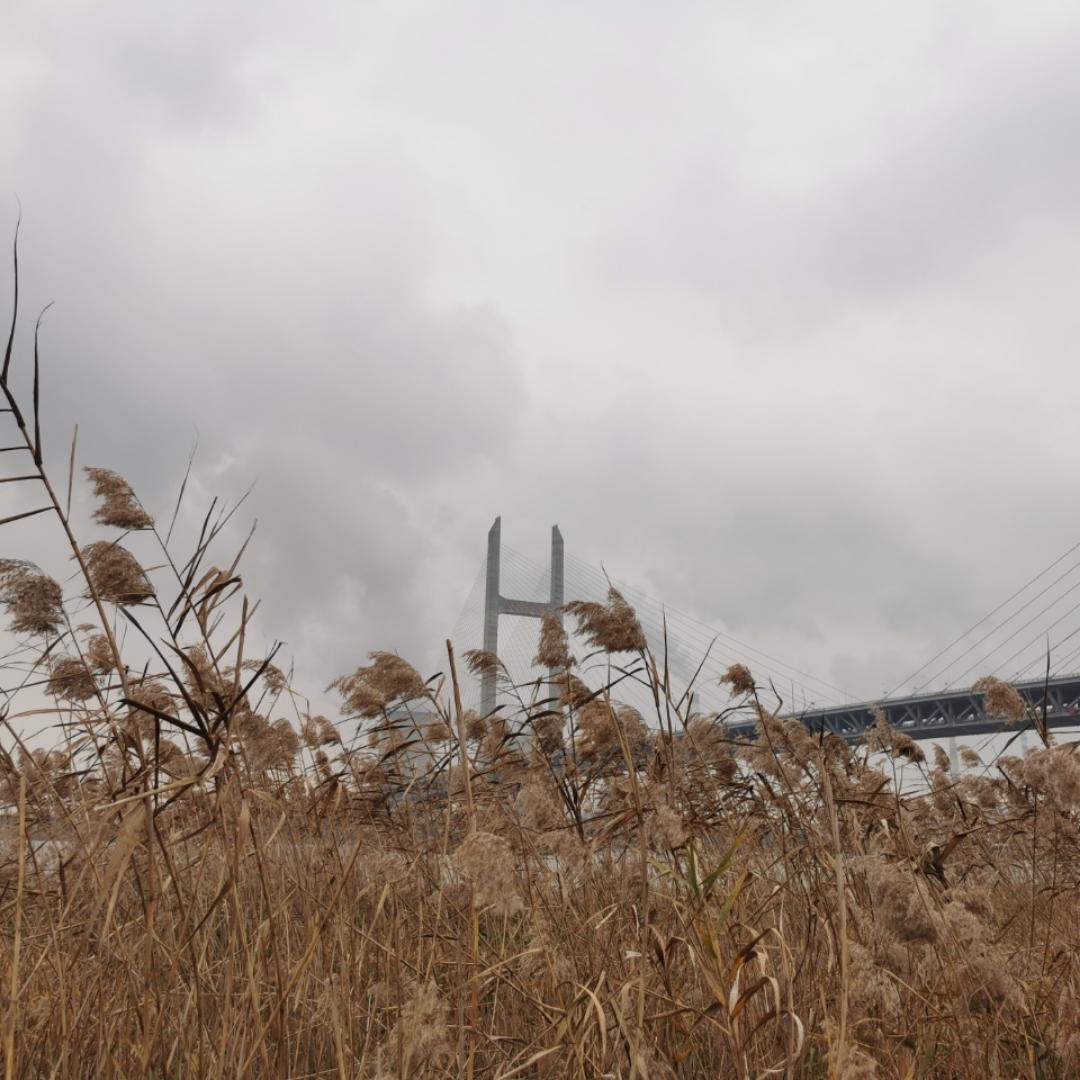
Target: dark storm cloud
column 760, row 304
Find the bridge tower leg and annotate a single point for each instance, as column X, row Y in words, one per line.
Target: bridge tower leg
column 558, row 588
column 495, row 604
column 491, row 613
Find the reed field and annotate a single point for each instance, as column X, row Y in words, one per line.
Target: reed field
column 198, row 878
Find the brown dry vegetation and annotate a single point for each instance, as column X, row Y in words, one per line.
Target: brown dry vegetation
column 201, row 879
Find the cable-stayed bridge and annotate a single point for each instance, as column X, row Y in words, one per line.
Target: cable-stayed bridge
column 936, row 702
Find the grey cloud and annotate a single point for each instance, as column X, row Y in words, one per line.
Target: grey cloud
column 763, row 308
column 944, row 181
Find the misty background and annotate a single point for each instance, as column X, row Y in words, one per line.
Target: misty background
column 770, row 306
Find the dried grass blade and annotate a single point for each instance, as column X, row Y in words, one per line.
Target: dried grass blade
column 37, row 386
column 183, row 489
column 301, row 966
column 25, row 514
column 71, row 471
column 13, row 991
column 528, row 1064
column 14, row 304
column 121, row 856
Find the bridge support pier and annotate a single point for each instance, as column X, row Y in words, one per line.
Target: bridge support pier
column 495, row 604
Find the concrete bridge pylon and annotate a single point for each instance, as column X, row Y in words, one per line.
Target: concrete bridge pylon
column 495, row 604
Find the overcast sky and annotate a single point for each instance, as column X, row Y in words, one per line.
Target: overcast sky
column 771, row 306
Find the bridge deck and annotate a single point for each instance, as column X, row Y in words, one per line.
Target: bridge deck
column 953, row 712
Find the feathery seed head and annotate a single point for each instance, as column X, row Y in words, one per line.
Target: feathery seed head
column 272, row 675
column 739, row 678
column 316, row 731
column 574, row 693
column 884, row 738
column 116, row 574
column 120, row 508
column 548, row 731
column 1001, row 699
column 32, row 599
column 423, row 1030
column 969, row 758
column 475, row 725
column 71, row 680
column 554, row 648
column 486, row 860
column 481, row 662
column 98, row 653
column 612, row 627
column 153, row 693
column 370, row 690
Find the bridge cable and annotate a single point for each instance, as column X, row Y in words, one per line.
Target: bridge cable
column 688, row 626
column 993, row 630
column 975, row 626
column 1027, row 645
column 1056, row 666
column 703, row 633
column 585, row 578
